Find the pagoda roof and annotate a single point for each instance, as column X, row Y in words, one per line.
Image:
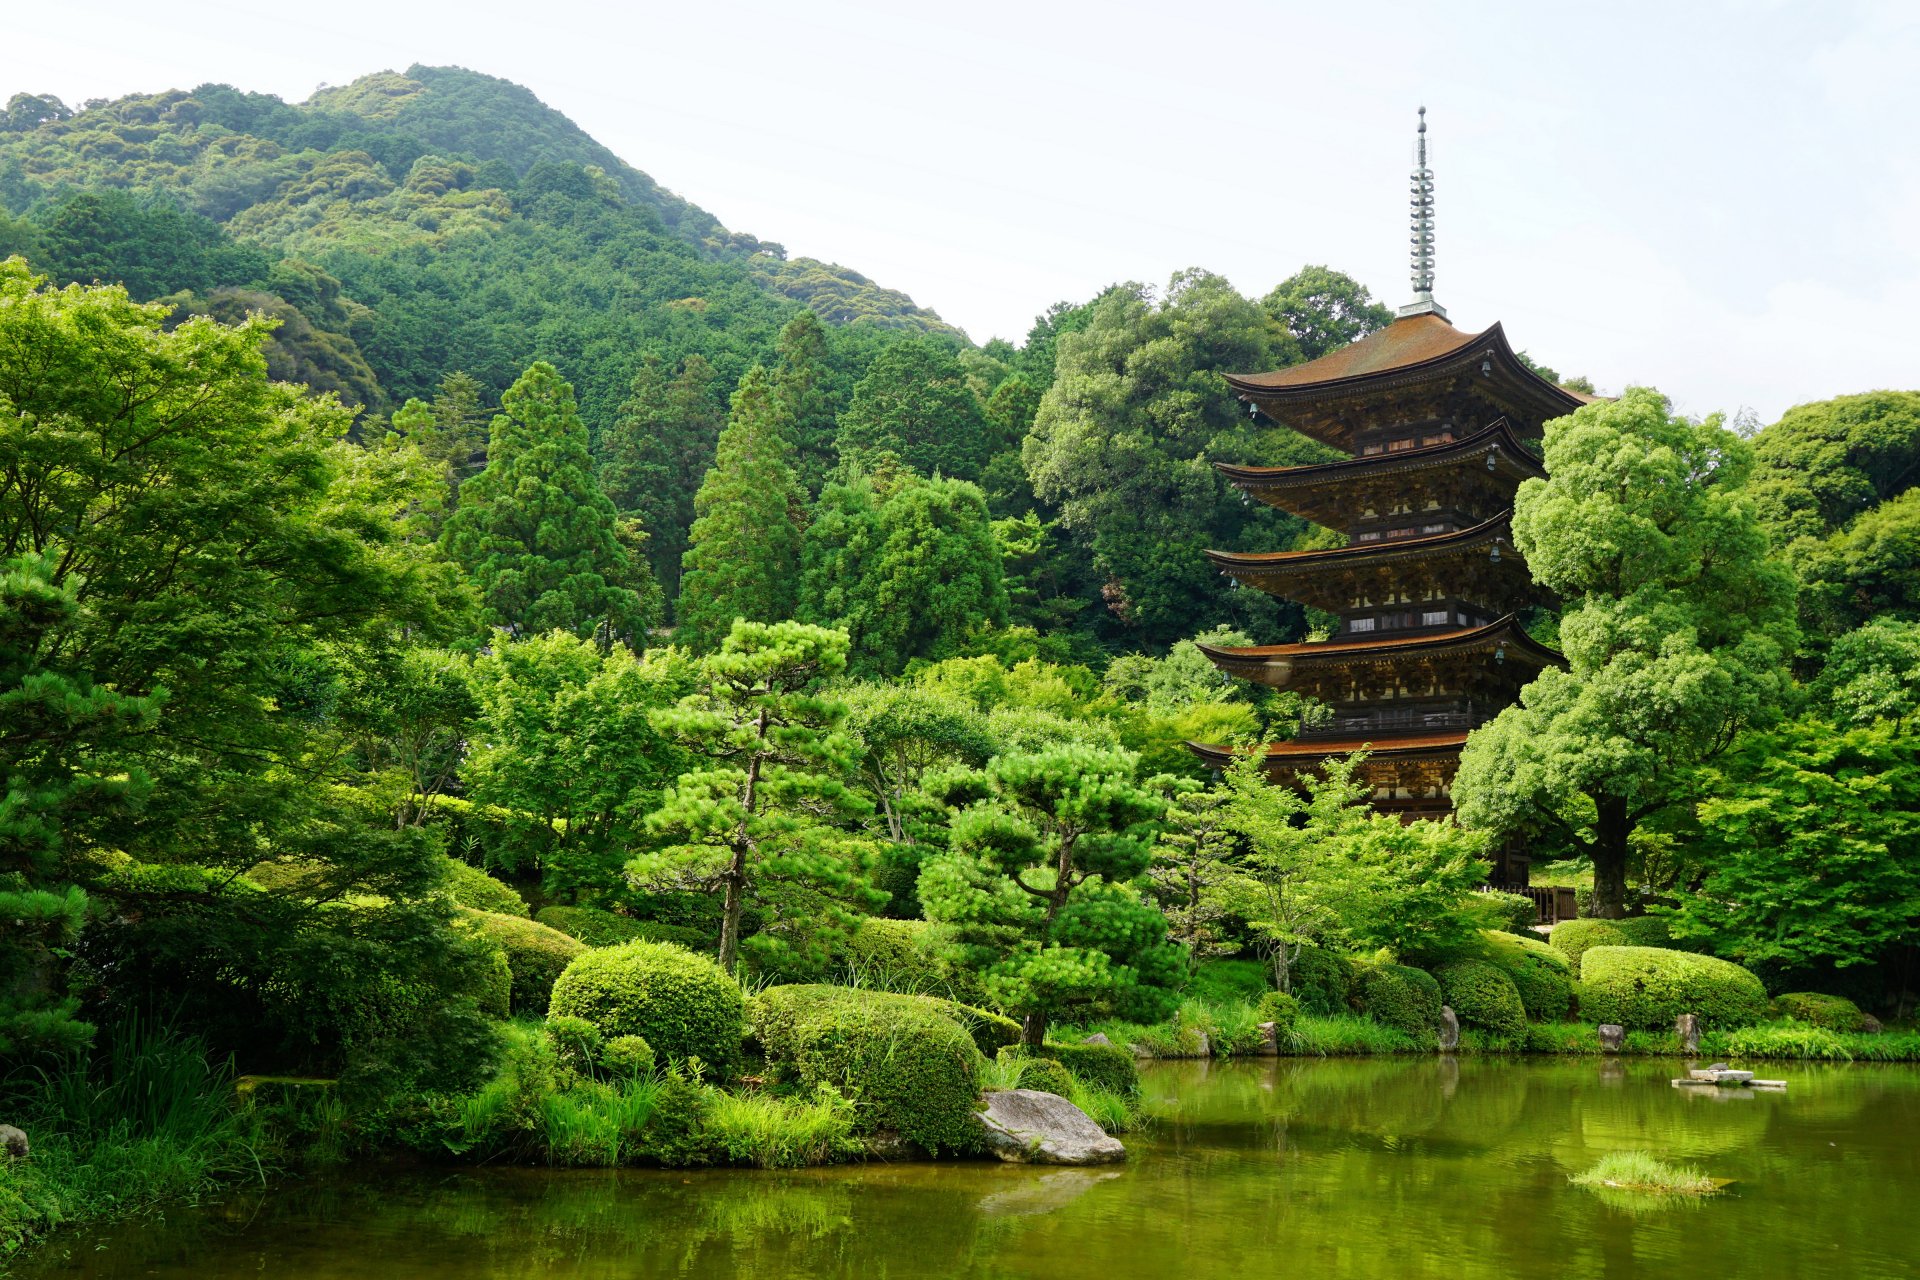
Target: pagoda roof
column 1298, row 753
column 1496, row 437
column 1367, row 553
column 1274, row 664
column 1412, row 351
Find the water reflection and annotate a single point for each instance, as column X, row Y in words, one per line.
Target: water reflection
column 1384, row 1167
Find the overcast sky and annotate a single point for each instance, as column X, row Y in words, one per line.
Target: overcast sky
column 1721, row 199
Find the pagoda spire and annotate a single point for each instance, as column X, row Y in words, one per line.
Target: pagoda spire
column 1421, row 208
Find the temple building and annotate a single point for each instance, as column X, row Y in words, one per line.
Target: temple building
column 1440, row 427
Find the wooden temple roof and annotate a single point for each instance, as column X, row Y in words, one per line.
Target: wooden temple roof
column 1301, row 754
column 1413, row 352
column 1497, row 438
column 1274, row 664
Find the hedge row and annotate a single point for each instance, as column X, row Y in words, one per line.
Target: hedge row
column 1651, row 986
column 1483, row 996
column 1398, row 996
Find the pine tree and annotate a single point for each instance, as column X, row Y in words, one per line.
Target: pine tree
column 806, row 400
column 653, row 456
column 534, row 531
column 743, row 554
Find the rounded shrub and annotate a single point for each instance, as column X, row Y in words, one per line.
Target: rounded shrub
column 1398, row 996
column 1539, row 973
column 1320, row 980
column 576, row 1042
column 894, row 955
column 471, row 887
column 684, row 1004
column 1835, row 1013
column 1647, row 931
column 1045, row 1075
column 628, row 1057
column 1282, row 1010
column 990, row 1031
column 495, row 996
column 598, row 927
column 1509, row 912
column 1649, row 987
column 536, row 954
column 909, row 1068
column 1099, row 1066
column 1482, row 996
column 1574, row 938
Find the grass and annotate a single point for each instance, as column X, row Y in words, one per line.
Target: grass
column 1348, row 1034
column 1641, row 1172
column 773, row 1132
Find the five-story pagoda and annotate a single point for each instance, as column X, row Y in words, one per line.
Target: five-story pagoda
column 1440, row 426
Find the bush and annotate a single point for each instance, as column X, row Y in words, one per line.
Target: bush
column 576, row 1042
column 601, row 928
column 1218, row 981
column 471, row 887
column 1394, row 995
column 495, row 996
column 1647, row 931
column 909, row 1068
column 991, row 1031
column 1540, row 974
column 1836, row 1013
column 1348, row 1034
column 627, row 1057
column 1045, row 1074
column 1650, row 987
column 1321, row 981
column 1507, row 912
column 1283, row 1011
column 536, row 954
column 1574, row 938
column 1106, row 1067
column 1483, row 996
column 895, row 955
column 684, row 1004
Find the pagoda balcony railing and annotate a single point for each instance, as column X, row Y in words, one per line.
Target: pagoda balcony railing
column 1383, row 721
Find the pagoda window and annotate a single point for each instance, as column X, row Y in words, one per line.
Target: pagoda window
column 1370, row 450
column 1434, row 528
column 1406, row 531
column 1370, row 536
column 1399, row 446
column 1435, row 618
column 1360, row 624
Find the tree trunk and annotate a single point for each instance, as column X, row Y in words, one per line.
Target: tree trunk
column 1033, row 1030
column 1609, row 852
column 736, row 877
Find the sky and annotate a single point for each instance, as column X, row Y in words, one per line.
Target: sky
column 1719, row 198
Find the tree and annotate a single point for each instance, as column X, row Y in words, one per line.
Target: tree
column 1869, row 674
column 1323, row 310
column 565, row 732
column 915, row 404
column 1124, row 444
column 909, row 568
column 1810, row 844
column 767, row 820
column 804, row 395
column 538, row 537
column 1036, row 886
column 655, row 453
column 1825, row 463
column 743, row 553
column 413, row 708
column 1192, row 865
column 1676, row 630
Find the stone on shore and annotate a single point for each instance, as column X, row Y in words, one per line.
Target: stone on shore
column 1613, row 1037
column 1449, row 1029
column 1098, row 1037
column 1026, row 1126
column 14, row 1142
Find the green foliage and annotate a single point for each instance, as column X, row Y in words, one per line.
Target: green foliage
column 915, row 405
column 1825, row 463
column 1346, row 1035
column 150, row 245
column 909, row 1068
column 764, row 820
column 1676, row 630
column 1321, row 980
column 1035, row 890
column 1649, row 931
column 577, row 1043
column 1323, row 310
column 598, row 927
column 743, row 550
column 773, row 1132
column 1106, row 1067
column 1835, row 1013
column 1191, row 868
column 1220, row 980
column 469, row 886
column 627, row 1057
column 536, row 534
column 1513, row 912
column 1399, row 996
column 536, row 955
column 1542, row 975
column 683, row 1004
column 654, row 454
column 1868, row 570
column 1810, row 849
column 1639, row 1171
column 1574, row 938
column 1650, row 987
column 1283, row 1011
column 1483, row 996
column 1868, row 674
column 1043, row 1074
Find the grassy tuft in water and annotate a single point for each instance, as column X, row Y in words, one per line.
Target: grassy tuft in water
column 774, row 1132
column 1639, row 1171
column 1346, row 1034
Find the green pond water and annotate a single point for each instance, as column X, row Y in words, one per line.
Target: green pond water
column 1373, row 1168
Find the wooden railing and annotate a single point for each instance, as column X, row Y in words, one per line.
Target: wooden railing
column 1551, row 903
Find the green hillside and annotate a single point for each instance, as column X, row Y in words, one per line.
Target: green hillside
column 405, row 226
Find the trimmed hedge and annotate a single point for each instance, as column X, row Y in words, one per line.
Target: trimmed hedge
column 991, row 1031
column 536, row 955
column 1648, row 931
column 1045, row 1074
column 628, row 1057
column 601, row 928
column 1398, row 996
column 1283, row 1011
column 1573, row 938
column 1650, row 987
column 1835, row 1013
column 1099, row 1066
column 1539, row 973
column 895, row 955
column 471, row 887
column 908, row 1067
column 1482, row 995
column 1321, row 981
column 576, row 1042
column 1508, row 912
column 496, row 993
column 683, row 1004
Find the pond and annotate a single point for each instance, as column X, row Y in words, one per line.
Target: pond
column 1363, row 1168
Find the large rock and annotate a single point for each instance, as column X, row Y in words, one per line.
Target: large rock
column 1613, row 1037
column 1269, row 1039
column 1449, row 1029
column 14, row 1142
column 1098, row 1037
column 1026, row 1126
column 1687, row 1028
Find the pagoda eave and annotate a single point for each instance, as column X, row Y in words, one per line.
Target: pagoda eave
column 1276, row 666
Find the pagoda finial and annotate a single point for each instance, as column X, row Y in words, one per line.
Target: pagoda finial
column 1422, row 238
